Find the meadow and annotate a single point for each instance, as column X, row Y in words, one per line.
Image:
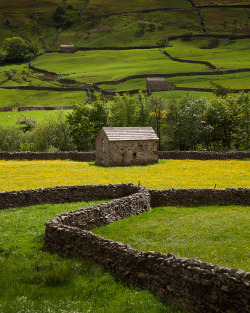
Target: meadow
column 15, row 98
column 10, row 118
column 93, row 66
column 214, row 234
column 166, row 174
column 34, row 281
column 229, row 55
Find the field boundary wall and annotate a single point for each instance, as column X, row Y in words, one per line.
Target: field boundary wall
column 185, row 283
column 45, row 88
column 90, row 156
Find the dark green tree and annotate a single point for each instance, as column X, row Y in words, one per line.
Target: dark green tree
column 85, row 123
column 17, row 49
column 186, row 126
column 157, row 115
column 220, row 91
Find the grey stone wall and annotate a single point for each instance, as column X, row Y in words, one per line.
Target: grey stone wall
column 91, row 156
column 197, row 197
column 184, row 283
column 64, row 194
column 29, row 155
column 204, row 155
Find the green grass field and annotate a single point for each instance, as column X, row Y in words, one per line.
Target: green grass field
column 166, row 174
column 93, row 66
column 35, row 281
column 10, row 118
column 228, row 55
column 233, row 81
column 218, row 235
column 15, row 98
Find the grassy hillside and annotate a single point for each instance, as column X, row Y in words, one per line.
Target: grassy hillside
column 121, row 24
column 92, row 66
column 33, row 20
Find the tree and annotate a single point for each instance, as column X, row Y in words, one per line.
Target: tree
column 221, row 91
column 243, row 100
column 27, row 123
column 11, row 139
column 51, row 135
column 129, row 110
column 157, row 115
column 186, row 123
column 17, row 49
column 225, row 117
column 85, row 123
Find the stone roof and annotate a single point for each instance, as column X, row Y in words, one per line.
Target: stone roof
column 67, row 46
column 158, row 84
column 130, row 133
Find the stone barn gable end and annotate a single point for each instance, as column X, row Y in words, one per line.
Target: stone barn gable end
column 67, row 49
column 124, row 146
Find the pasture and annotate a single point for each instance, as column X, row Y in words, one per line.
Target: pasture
column 45, row 282
column 94, row 66
column 15, row 98
column 166, row 174
column 214, row 234
column 35, row 281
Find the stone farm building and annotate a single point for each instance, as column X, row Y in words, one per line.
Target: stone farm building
column 158, row 84
column 120, row 146
column 67, row 48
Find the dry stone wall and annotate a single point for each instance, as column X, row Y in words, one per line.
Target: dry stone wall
column 91, row 156
column 184, row 283
column 204, row 155
column 64, row 194
column 188, row 284
column 29, row 155
column 198, row 197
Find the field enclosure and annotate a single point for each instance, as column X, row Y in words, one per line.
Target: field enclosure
column 166, row 174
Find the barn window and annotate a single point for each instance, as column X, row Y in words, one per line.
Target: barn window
column 134, row 154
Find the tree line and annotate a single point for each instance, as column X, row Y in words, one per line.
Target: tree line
column 221, row 124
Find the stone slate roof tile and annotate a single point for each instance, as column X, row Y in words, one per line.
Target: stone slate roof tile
column 130, row 133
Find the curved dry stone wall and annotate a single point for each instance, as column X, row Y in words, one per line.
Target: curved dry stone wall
column 188, row 284
column 64, row 194
column 185, row 283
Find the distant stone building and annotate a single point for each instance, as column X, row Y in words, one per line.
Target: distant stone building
column 67, row 48
column 120, row 146
column 158, row 84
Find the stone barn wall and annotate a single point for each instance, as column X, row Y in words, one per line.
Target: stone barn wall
column 133, row 152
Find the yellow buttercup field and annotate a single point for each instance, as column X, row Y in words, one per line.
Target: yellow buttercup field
column 21, row 175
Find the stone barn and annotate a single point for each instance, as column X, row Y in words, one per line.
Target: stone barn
column 123, row 146
column 67, row 48
column 158, row 84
